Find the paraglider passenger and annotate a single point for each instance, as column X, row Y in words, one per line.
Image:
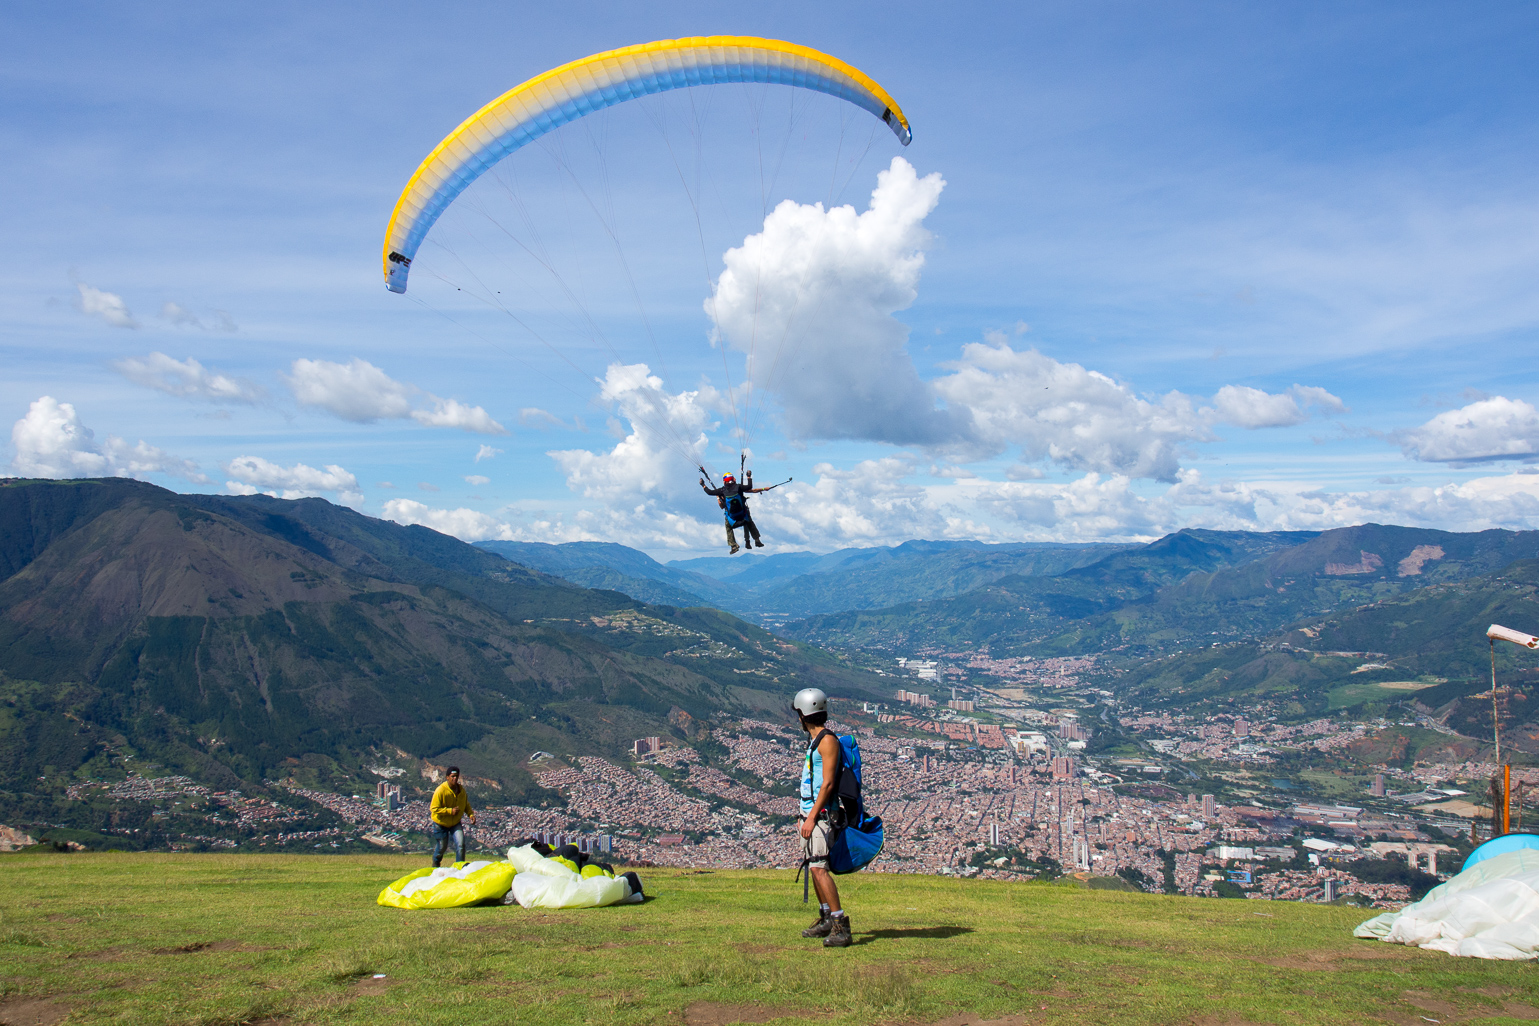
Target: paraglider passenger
column 450, row 805
column 731, row 498
column 817, row 794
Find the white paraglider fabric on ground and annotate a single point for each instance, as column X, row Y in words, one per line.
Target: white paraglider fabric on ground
column 546, row 883
column 1490, row 910
column 423, row 883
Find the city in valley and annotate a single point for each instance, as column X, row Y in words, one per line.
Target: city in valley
column 1013, row 769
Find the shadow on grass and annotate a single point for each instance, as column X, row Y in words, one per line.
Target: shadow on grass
column 914, row 933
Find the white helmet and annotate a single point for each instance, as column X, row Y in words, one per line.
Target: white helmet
column 809, row 701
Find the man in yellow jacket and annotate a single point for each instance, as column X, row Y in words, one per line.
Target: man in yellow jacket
column 450, row 805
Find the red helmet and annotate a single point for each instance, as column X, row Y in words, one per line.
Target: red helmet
column 728, row 479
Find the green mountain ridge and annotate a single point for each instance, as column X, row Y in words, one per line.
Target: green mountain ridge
column 1424, row 651
column 1190, row 588
column 239, row 639
column 1016, row 611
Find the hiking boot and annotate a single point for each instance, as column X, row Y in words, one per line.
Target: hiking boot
column 820, row 928
column 839, row 934
column 732, row 551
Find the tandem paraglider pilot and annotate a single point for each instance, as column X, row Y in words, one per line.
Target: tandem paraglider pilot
column 450, row 806
column 731, row 497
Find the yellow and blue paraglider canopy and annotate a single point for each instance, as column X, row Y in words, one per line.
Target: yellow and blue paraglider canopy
column 562, row 95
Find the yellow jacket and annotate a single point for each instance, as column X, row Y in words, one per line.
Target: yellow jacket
column 449, row 805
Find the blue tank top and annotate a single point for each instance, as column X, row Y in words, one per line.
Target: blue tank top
column 812, row 779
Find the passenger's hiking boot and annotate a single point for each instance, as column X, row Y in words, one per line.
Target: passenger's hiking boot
column 820, row 928
column 839, row 934
column 732, row 551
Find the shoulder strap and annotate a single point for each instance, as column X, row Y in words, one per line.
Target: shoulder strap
column 838, row 769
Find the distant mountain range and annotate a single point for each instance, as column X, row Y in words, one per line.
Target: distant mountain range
column 1189, row 588
column 237, row 639
column 785, row 586
column 1425, row 646
column 1196, row 614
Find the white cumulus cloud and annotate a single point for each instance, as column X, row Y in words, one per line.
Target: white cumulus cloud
column 811, row 300
column 1491, row 429
column 50, row 441
column 186, row 378
column 251, row 475
column 477, row 480
column 106, row 305
column 465, row 524
column 666, row 437
column 486, row 452
column 1080, row 419
column 362, row 393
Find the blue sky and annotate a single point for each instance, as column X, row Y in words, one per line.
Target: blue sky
column 1240, row 266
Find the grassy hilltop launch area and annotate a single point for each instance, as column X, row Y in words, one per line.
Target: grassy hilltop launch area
column 273, row 939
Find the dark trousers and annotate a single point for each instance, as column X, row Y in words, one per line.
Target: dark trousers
column 750, row 529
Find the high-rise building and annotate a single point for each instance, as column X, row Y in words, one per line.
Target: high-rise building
column 1241, row 728
column 994, row 835
column 383, row 790
column 648, row 745
column 1081, row 852
column 1064, row 767
column 1209, row 807
column 1378, row 785
column 1332, row 890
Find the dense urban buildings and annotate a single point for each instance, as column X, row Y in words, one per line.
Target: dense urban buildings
column 1036, row 774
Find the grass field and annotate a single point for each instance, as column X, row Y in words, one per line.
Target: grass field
column 229, row 939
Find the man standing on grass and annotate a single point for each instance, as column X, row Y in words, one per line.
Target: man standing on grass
column 450, row 805
column 820, row 778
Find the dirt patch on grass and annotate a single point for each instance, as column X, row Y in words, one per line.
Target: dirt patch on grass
column 972, row 1019
column 112, row 954
column 760, row 949
column 1328, row 960
column 1428, row 1003
column 31, row 1011
column 370, row 985
column 711, row 1013
column 219, row 945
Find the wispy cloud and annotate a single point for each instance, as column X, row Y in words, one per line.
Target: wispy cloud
column 250, row 475
column 184, row 318
column 362, row 393
column 108, row 306
column 186, row 378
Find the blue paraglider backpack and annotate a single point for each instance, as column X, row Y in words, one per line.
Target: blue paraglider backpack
column 856, row 837
column 737, row 509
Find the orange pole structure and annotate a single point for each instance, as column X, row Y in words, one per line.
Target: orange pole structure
column 1507, row 798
